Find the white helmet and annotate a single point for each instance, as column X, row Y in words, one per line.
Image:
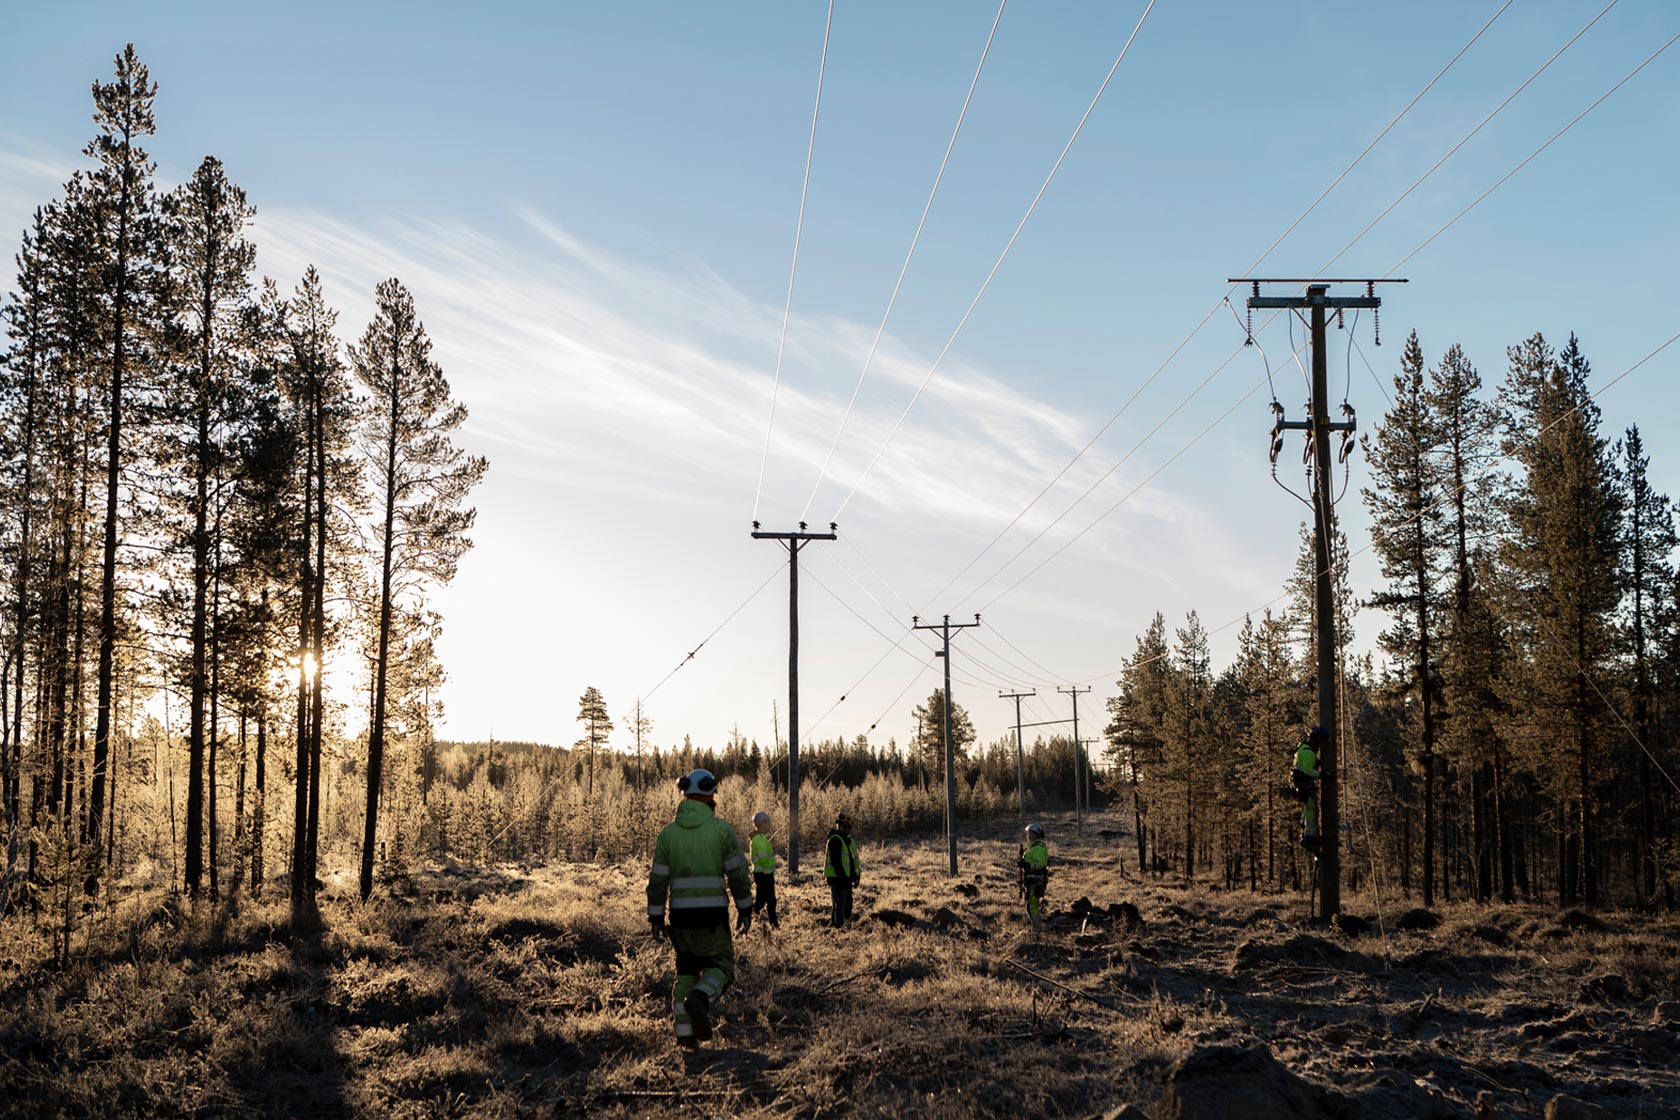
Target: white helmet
column 761, row 817
column 698, row 783
column 1035, row 830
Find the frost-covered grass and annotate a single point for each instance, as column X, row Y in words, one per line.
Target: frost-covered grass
column 516, row 990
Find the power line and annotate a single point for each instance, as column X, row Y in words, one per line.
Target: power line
column 905, row 267
column 1100, row 517
column 1436, row 166
column 1150, row 380
column 793, row 269
column 1534, row 153
column 999, row 262
column 1469, row 135
column 689, row 656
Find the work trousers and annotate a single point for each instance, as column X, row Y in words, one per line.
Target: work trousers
column 705, row 962
column 764, row 898
column 1035, row 900
column 840, row 898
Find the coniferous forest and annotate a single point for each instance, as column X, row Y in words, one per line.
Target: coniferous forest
column 223, row 512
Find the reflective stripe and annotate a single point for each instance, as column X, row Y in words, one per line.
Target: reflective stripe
column 734, row 861
column 710, row 902
column 660, row 869
column 685, row 1029
column 656, row 911
column 695, row 882
column 743, row 904
column 711, row 987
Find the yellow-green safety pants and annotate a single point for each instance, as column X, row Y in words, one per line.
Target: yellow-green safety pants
column 705, row 962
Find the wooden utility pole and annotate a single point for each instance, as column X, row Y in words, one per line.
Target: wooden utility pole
column 1020, row 764
column 1085, row 785
column 1318, row 426
column 793, row 542
column 1078, row 754
column 945, row 629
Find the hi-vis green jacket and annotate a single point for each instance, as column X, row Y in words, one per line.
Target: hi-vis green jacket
column 763, row 854
column 693, row 855
column 1036, row 859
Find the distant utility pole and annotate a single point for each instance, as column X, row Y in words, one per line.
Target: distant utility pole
column 945, row 629
column 1087, row 782
column 1020, row 765
column 1078, row 754
column 793, row 542
column 1318, row 425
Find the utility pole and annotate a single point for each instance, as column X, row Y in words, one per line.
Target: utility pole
column 1078, row 754
column 945, row 629
column 793, row 542
column 1318, row 427
column 1087, row 783
column 1020, row 765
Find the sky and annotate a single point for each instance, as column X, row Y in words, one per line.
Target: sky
column 596, row 208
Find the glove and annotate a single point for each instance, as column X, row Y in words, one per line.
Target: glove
column 657, row 926
column 743, row 921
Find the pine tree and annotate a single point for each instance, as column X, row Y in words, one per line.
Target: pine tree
column 1135, row 746
column 121, row 186
column 1561, row 562
column 1406, row 531
column 1189, row 686
column 206, row 221
column 421, row 482
column 1651, row 542
column 1275, row 696
column 320, row 410
column 929, row 749
column 592, row 713
column 1471, row 644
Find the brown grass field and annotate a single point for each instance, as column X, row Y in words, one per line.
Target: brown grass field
column 524, row 991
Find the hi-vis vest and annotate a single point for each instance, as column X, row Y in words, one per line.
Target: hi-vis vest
column 763, row 855
column 691, row 859
column 848, row 868
column 1036, row 859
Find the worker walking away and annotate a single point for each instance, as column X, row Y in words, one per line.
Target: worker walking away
column 1305, row 778
column 1035, row 874
column 840, row 868
column 695, row 857
column 763, row 870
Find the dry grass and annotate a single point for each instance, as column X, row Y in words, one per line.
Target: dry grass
column 534, row 991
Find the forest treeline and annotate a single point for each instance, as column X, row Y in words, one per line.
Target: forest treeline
column 1515, row 736
column 211, row 503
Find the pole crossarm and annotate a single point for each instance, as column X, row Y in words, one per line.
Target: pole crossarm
column 793, row 542
column 800, row 536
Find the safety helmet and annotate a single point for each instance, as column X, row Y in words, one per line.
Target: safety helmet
column 698, row 783
column 843, row 820
column 1317, row 737
column 761, row 817
column 1035, row 830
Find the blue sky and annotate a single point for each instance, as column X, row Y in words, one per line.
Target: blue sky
column 595, row 207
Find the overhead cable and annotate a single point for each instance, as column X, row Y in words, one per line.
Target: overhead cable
column 793, row 269
column 997, row 264
column 905, row 267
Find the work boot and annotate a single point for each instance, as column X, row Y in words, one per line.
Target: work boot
column 699, row 1009
column 688, row 1042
